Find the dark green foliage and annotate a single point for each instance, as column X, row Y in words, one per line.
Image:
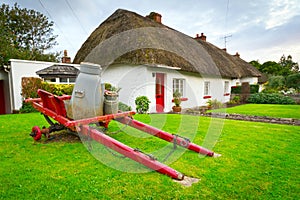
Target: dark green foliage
column 268, row 98
column 293, row 81
column 238, row 89
column 107, row 86
column 25, row 34
column 27, row 108
column 124, row 107
column 142, row 104
column 276, row 82
column 235, row 100
column 254, row 89
column 284, row 67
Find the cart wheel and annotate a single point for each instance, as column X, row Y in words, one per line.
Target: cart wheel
column 36, row 133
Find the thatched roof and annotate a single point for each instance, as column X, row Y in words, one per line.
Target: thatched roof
column 60, row 71
column 128, row 38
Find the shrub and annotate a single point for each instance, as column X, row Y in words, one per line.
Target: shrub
column 215, row 104
column 238, row 89
column 27, row 108
column 276, row 82
column 142, row 104
column 30, row 85
column 124, row 107
column 267, row 98
column 293, row 81
column 235, row 100
column 254, row 89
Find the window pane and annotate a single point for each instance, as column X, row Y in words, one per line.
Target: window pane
column 206, row 88
column 63, row 80
column 178, row 84
column 72, row 80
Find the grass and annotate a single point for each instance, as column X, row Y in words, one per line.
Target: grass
column 259, row 161
column 270, row 110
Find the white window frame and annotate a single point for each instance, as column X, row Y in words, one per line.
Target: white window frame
column 226, row 87
column 179, row 84
column 206, row 89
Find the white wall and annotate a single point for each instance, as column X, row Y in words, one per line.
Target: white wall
column 24, row 68
column 140, row 80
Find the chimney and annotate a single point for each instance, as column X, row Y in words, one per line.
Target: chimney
column 66, row 59
column 155, row 16
column 224, row 49
column 237, row 54
column 201, row 37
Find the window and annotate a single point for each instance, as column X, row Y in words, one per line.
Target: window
column 50, row 80
column 63, row 80
column 206, row 88
column 72, row 80
column 226, row 88
column 178, row 84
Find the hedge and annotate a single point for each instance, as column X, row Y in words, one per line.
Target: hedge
column 30, row 85
column 270, row 98
column 238, row 89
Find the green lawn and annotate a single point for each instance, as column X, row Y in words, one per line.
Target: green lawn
column 259, row 161
column 270, row 110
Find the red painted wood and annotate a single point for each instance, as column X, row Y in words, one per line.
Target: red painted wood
column 160, row 92
column 165, row 136
column 130, row 152
column 2, row 99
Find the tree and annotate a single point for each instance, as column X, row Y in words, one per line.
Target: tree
column 25, row 34
column 288, row 66
column 293, row 81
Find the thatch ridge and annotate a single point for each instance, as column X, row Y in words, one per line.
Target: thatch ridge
column 122, row 20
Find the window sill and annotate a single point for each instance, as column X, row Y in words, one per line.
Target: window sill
column 182, row 99
column 207, row 97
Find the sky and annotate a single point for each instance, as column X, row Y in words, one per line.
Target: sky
column 261, row 30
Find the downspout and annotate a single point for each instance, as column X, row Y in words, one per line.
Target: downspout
column 11, row 98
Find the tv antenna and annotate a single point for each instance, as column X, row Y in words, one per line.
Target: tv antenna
column 226, row 39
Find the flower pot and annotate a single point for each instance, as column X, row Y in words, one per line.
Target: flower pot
column 176, row 109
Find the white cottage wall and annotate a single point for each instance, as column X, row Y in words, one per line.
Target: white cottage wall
column 132, row 80
column 19, row 69
column 24, row 68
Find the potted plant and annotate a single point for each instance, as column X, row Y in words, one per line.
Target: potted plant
column 111, row 93
column 111, row 101
column 177, row 101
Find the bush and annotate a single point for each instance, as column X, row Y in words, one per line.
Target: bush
column 123, row 107
column 27, row 108
column 254, row 89
column 276, row 82
column 215, row 104
column 30, row 85
column 235, row 100
column 293, row 81
column 142, row 104
column 238, row 89
column 266, row 98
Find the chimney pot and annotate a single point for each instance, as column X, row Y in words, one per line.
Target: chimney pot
column 202, row 37
column 237, row 54
column 155, row 16
column 66, row 58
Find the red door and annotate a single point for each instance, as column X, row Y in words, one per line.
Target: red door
column 2, row 102
column 160, row 92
